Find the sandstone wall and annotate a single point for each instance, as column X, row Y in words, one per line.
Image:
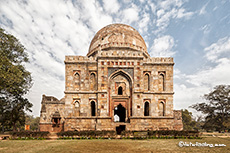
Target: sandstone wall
column 91, row 79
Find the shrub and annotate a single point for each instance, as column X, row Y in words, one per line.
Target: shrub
column 158, row 134
column 28, row 134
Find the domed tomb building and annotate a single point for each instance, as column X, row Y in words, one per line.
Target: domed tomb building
column 117, row 86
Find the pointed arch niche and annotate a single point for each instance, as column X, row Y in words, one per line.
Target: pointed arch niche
column 93, row 83
column 161, row 108
column 147, row 81
column 76, row 104
column 161, row 78
column 76, row 81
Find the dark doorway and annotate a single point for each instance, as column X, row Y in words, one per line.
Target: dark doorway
column 120, row 128
column 56, row 122
column 120, row 91
column 121, row 112
column 93, row 108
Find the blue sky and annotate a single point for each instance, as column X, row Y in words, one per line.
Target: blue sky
column 196, row 33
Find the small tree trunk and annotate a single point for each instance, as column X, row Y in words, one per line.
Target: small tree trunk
column 3, row 128
column 14, row 126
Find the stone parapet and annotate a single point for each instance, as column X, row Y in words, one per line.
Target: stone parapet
column 51, row 100
column 79, row 59
column 151, row 117
column 119, row 45
column 158, row 60
column 121, row 53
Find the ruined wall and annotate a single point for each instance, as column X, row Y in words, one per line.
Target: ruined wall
column 49, row 106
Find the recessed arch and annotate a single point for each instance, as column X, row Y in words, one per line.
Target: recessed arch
column 161, row 108
column 115, row 80
column 76, row 80
column 146, row 108
column 123, row 73
column 93, row 84
column 146, row 82
column 56, row 118
column 120, row 90
column 93, row 108
column 162, row 82
column 76, row 110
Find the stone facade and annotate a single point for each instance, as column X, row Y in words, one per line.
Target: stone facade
column 116, row 78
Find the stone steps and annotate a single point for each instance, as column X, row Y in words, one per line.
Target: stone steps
column 52, row 136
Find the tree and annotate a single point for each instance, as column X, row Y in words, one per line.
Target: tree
column 216, row 109
column 33, row 122
column 15, row 81
column 188, row 122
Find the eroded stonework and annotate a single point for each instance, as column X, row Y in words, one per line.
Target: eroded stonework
column 116, row 78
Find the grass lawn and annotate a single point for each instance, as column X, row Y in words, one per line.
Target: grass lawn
column 143, row 146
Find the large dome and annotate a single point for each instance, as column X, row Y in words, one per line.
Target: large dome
column 117, row 36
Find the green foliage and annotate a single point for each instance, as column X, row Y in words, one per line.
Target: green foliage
column 216, row 109
column 188, row 122
column 15, row 81
column 29, row 135
column 174, row 134
column 139, row 135
column 33, row 122
column 86, row 134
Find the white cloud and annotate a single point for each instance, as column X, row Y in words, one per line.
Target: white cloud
column 164, row 16
column 129, row 15
column 183, row 14
column 167, row 4
column 143, row 24
column 167, row 10
column 218, row 49
column 48, row 84
column 160, row 13
column 92, row 14
column 152, row 6
column 186, row 96
column 215, row 8
column 111, row 6
column 163, row 46
column 205, row 28
column 203, row 9
column 212, row 76
column 49, row 31
column 190, row 88
column 142, row 1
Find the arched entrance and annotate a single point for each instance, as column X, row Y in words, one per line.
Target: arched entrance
column 57, row 126
column 120, row 111
column 120, row 96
